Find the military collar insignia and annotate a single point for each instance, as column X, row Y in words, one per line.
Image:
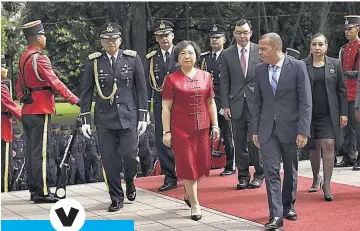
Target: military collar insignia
column 109, row 29
column 162, row 25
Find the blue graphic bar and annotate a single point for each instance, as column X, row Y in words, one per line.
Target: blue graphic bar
column 89, row 225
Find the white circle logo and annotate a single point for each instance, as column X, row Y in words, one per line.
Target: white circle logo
column 67, row 215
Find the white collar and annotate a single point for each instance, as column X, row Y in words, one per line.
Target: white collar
column 217, row 53
column 116, row 55
column 247, row 47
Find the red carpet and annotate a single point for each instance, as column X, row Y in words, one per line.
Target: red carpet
column 219, row 193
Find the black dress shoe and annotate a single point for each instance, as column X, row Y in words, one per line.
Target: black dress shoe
column 196, row 217
column 243, row 184
column 356, row 167
column 290, row 215
column 227, row 172
column 45, row 199
column 130, row 191
column 168, row 186
column 115, row 206
column 343, row 164
column 255, row 183
column 274, row 223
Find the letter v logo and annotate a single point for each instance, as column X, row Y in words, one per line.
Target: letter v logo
column 67, row 215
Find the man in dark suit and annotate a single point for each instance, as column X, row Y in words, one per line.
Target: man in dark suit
column 207, row 62
column 282, row 116
column 236, row 65
column 159, row 64
column 120, row 112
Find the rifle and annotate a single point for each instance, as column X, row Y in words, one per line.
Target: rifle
column 63, row 171
column 19, row 180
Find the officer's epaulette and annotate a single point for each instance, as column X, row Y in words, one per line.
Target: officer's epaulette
column 130, row 53
column 94, row 55
column 205, row 53
column 151, row 54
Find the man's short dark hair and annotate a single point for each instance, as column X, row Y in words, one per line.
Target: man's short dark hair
column 242, row 22
column 181, row 46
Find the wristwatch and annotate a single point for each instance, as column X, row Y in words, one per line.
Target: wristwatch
column 165, row 132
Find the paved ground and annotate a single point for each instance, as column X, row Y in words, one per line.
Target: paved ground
column 151, row 211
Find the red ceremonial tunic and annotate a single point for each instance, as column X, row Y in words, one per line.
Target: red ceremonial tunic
column 8, row 109
column 348, row 59
column 44, row 102
column 190, row 122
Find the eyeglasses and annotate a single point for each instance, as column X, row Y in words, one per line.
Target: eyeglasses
column 242, row 32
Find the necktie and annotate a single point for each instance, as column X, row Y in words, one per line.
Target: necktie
column 213, row 57
column 243, row 61
column 167, row 60
column 274, row 81
column 113, row 62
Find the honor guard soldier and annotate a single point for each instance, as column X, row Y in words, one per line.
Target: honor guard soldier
column 120, row 111
column 207, row 62
column 161, row 63
column 8, row 110
column 293, row 53
column 35, row 89
column 349, row 56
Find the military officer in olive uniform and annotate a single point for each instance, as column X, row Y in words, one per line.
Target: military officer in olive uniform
column 207, row 62
column 120, row 110
column 159, row 64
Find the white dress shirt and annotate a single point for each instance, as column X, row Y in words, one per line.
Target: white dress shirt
column 217, row 54
column 278, row 70
column 164, row 51
column 115, row 55
column 247, row 55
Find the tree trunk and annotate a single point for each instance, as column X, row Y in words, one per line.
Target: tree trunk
column 265, row 17
column 324, row 18
column 297, row 25
column 138, row 29
column 258, row 18
column 222, row 20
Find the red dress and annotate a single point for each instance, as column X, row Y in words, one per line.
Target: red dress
column 190, row 122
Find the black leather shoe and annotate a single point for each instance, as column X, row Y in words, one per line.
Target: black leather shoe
column 290, row 215
column 343, row 164
column 243, row 184
column 115, row 206
column 196, row 217
column 227, row 172
column 255, row 183
column 168, row 186
column 274, row 223
column 356, row 167
column 45, row 199
column 130, row 191
column 32, row 196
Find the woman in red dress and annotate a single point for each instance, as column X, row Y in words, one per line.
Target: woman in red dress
column 188, row 111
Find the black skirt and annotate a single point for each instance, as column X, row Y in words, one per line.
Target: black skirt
column 323, row 128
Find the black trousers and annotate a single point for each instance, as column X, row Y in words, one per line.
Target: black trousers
column 6, row 166
column 351, row 136
column 37, row 130
column 109, row 142
column 273, row 151
column 245, row 149
column 166, row 156
column 226, row 134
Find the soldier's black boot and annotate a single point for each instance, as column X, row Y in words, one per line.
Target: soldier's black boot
column 32, row 196
column 45, row 199
column 130, row 191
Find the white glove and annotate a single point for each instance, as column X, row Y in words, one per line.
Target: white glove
column 86, row 130
column 221, row 112
column 148, row 119
column 142, row 127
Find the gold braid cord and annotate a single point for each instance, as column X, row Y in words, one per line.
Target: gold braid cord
column 152, row 79
column 203, row 65
column 111, row 96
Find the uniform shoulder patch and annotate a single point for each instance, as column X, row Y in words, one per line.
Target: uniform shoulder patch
column 94, row 55
column 151, row 54
column 130, row 53
column 205, row 53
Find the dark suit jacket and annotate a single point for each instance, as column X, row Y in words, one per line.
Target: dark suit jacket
column 290, row 107
column 336, row 92
column 233, row 83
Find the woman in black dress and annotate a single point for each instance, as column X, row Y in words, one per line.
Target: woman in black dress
column 329, row 111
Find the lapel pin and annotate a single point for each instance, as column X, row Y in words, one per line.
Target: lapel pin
column 332, row 71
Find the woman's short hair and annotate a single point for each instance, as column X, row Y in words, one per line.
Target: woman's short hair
column 182, row 45
column 318, row 35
